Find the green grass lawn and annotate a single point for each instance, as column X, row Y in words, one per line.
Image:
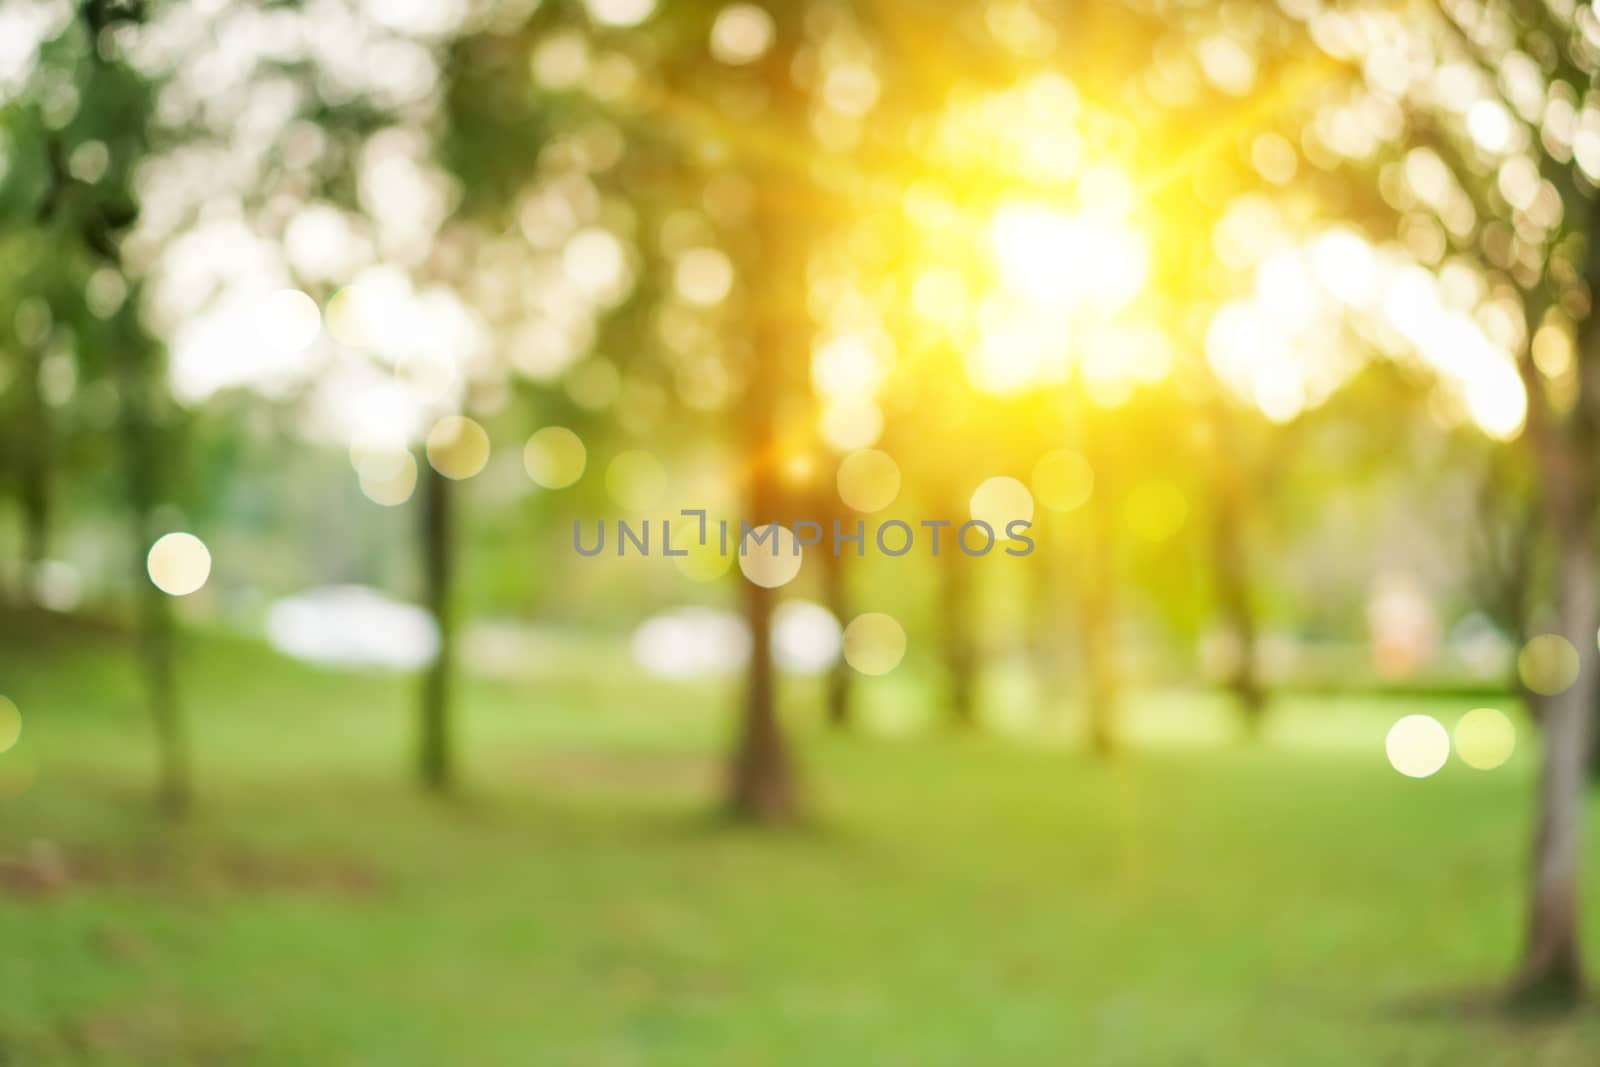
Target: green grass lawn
column 957, row 900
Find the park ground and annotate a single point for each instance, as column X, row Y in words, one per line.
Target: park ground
column 994, row 898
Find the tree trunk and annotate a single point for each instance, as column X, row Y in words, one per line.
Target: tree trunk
column 955, row 630
column 1050, row 620
column 762, row 783
column 154, row 640
column 1101, row 690
column 34, row 468
column 835, row 596
column 1097, row 628
column 1552, row 970
column 174, row 792
column 435, row 749
column 1231, row 572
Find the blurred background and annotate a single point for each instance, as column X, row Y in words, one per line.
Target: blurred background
column 1210, row 388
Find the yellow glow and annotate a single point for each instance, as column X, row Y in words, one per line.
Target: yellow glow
column 1019, row 344
column 1417, row 746
column 868, row 480
column 940, row 296
column 457, row 447
column 620, row 12
column 851, row 423
column 848, row 365
column 1062, row 480
column 554, row 457
column 1485, row 738
column 703, row 276
column 874, row 643
column 741, row 34
column 179, row 564
column 1155, row 511
column 1059, row 260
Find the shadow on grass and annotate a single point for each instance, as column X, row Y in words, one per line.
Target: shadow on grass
column 1492, row 1006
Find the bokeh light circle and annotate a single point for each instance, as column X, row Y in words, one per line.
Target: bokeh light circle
column 178, row 563
column 636, row 480
column 1417, row 746
column 1548, row 664
column 554, row 457
column 851, row 422
column 770, row 555
column 458, row 447
column 1001, row 500
column 741, row 33
column 387, row 477
column 290, row 320
column 868, row 480
column 1485, row 738
column 1062, row 480
column 874, row 643
column 699, row 563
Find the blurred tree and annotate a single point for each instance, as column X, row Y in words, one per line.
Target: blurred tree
column 79, row 165
column 1490, row 173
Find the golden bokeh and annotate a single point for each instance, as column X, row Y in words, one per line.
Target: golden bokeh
column 1548, row 664
column 1001, row 500
column 874, row 643
column 10, row 723
column 869, row 480
column 1485, row 738
column 178, row 564
column 774, row 559
column 457, row 447
column 851, row 422
column 636, row 480
column 554, row 457
column 1417, row 746
column 1062, row 480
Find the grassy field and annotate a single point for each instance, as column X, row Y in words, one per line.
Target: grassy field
column 955, row 901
